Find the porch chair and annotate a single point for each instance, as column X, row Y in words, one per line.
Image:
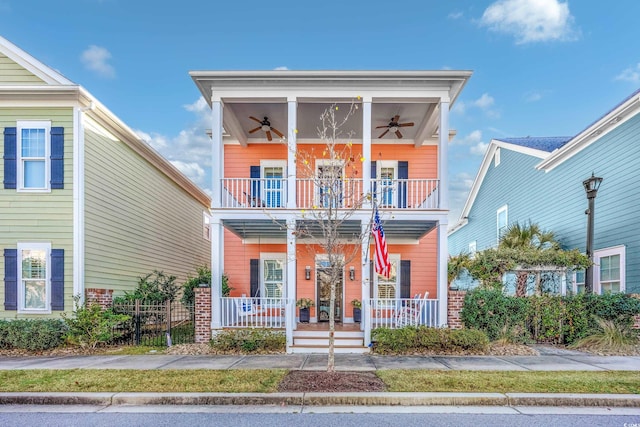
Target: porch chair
column 409, row 315
column 246, row 306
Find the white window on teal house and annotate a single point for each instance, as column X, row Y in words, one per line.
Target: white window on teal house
column 496, row 157
column 33, row 165
column 472, row 247
column 502, row 221
column 609, row 270
column 34, row 279
column 273, row 275
column 578, row 281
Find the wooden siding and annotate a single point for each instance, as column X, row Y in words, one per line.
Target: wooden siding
column 39, row 217
column 556, row 200
column 136, row 219
column 423, row 267
column 423, row 161
column 14, row 74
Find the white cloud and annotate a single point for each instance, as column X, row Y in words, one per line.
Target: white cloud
column 190, row 149
column 484, row 102
column 472, row 138
column 631, row 74
column 532, row 96
column 531, row 21
column 282, row 68
column 455, row 15
column 459, row 187
column 479, row 148
column 95, row 58
column 460, row 107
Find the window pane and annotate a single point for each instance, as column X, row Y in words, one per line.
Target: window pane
column 34, row 174
column 33, row 143
column 273, row 270
column 34, row 264
column 273, row 290
column 386, row 291
column 35, row 294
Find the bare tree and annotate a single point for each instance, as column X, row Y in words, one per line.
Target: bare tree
column 337, row 194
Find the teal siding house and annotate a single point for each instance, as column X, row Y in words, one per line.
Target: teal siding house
column 540, row 180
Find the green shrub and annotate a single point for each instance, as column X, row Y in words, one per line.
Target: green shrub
column 203, row 277
column 154, row 287
column 610, row 336
column 249, row 341
column 92, row 326
column 422, row 339
column 32, row 334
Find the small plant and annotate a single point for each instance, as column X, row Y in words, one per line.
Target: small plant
column 203, row 276
column 356, row 303
column 305, row 303
column 611, row 336
column 92, row 326
column 249, row 341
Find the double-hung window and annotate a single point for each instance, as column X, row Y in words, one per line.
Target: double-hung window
column 502, row 221
column 610, row 271
column 33, row 145
column 273, row 276
column 34, row 277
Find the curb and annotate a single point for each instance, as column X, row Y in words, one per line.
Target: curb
column 325, row 399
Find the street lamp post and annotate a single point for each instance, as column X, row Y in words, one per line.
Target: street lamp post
column 591, row 186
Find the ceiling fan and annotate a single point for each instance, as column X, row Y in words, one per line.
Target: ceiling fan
column 394, row 126
column 265, row 125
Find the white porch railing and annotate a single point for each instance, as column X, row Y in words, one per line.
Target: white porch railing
column 257, row 193
column 397, row 313
column 271, row 193
column 247, row 312
column 406, row 193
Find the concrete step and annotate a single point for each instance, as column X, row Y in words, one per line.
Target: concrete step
column 325, row 334
column 325, row 349
column 322, row 341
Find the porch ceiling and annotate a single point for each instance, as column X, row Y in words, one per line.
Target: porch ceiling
column 270, row 229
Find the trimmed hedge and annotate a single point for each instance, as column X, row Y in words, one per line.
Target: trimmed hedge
column 32, row 334
column 420, row 339
column 545, row 318
column 249, row 341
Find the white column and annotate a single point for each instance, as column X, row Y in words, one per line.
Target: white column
column 217, row 159
column 443, row 151
column 366, row 145
column 291, row 275
column 443, row 286
column 292, row 106
column 217, row 268
column 366, row 284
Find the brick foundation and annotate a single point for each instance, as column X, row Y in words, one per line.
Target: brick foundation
column 203, row 315
column 102, row 297
column 455, row 303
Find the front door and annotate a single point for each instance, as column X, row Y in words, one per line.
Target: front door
column 323, row 281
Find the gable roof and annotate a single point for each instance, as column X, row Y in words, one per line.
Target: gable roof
column 543, row 143
column 57, row 87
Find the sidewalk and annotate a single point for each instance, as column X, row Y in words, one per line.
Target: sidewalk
column 551, row 360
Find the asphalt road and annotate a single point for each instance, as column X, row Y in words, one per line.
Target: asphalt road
column 250, row 417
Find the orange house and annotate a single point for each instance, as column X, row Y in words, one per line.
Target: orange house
column 263, row 124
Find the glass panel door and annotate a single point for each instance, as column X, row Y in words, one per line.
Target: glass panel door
column 323, row 282
column 273, row 186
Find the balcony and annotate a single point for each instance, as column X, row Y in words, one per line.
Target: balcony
column 271, row 193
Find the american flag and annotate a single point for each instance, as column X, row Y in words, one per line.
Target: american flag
column 383, row 265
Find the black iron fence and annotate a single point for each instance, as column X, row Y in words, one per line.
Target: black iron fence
column 156, row 323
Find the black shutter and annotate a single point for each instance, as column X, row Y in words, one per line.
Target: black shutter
column 10, row 279
column 10, row 154
column 57, row 158
column 403, row 174
column 57, row 279
column 405, row 279
column 374, row 173
column 254, row 277
column 255, row 183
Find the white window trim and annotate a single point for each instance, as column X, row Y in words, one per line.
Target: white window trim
column 496, row 157
column 273, row 164
column 392, row 258
column 206, row 226
column 601, row 253
column 21, row 296
column 504, row 209
column 384, row 164
column 33, row 124
column 473, row 247
column 279, row 256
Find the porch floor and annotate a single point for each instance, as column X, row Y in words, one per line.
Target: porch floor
column 324, row 326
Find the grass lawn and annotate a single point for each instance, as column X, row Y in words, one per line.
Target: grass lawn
column 266, row 381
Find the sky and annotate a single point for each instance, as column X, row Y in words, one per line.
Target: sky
column 540, row 67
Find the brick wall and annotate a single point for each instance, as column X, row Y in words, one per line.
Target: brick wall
column 636, row 321
column 102, row 297
column 203, row 315
column 454, row 306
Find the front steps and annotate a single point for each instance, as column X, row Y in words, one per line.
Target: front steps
column 318, row 342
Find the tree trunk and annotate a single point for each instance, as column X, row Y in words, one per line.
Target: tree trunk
column 521, row 284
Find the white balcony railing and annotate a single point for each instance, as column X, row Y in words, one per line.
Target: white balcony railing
column 271, row 193
column 256, row 312
column 397, row 313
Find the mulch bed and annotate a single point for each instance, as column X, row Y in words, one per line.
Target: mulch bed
column 323, row 381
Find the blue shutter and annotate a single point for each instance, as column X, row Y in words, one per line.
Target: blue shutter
column 57, row 279
column 403, row 173
column 405, row 279
column 254, row 277
column 255, row 182
column 374, row 173
column 57, row 157
column 10, row 279
column 10, row 154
